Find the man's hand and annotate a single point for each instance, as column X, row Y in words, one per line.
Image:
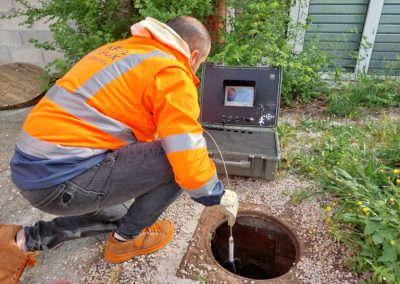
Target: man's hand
column 229, row 206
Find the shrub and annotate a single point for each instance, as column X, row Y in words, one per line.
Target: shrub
column 79, row 27
column 261, row 29
column 165, row 10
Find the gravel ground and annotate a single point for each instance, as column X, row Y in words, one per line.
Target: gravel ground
column 80, row 261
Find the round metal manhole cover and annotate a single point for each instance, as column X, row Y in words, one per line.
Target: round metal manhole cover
column 263, row 248
column 21, row 85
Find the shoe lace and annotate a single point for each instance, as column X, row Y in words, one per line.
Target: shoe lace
column 153, row 229
column 31, row 260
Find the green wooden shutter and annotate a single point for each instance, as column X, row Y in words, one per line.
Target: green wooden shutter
column 339, row 25
column 386, row 50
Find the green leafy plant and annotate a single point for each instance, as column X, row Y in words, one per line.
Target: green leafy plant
column 164, row 10
column 366, row 91
column 259, row 29
column 392, row 68
column 286, row 133
column 360, row 166
column 262, row 29
column 79, row 27
column 372, row 91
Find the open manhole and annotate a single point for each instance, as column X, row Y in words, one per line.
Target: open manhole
column 264, row 248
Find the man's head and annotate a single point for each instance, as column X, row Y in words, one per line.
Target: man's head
column 196, row 36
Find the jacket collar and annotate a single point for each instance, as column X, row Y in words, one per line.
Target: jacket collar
column 151, row 28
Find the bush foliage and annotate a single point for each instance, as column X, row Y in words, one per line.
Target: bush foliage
column 260, row 29
column 79, row 27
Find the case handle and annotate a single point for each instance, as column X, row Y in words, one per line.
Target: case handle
column 242, row 164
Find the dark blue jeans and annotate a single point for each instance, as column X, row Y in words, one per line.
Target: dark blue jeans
column 100, row 200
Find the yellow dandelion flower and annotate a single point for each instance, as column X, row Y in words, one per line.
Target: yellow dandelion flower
column 398, row 181
column 359, row 203
column 396, row 171
column 328, row 209
column 365, row 210
column 392, row 242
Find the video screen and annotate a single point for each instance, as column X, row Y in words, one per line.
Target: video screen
column 242, row 96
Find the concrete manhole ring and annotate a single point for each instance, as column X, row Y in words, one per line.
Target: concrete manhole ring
column 203, row 262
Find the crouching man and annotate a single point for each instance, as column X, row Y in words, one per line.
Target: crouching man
column 121, row 124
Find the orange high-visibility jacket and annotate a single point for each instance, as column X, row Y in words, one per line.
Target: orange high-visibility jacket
column 132, row 90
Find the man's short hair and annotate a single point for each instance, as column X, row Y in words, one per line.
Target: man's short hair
column 193, row 32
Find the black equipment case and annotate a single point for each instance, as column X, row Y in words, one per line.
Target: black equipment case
column 240, row 108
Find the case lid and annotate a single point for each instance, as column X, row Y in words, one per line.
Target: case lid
column 241, row 96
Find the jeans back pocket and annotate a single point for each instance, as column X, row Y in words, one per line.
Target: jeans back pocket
column 71, row 199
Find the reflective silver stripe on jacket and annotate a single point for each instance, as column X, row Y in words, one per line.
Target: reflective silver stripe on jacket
column 115, row 70
column 77, row 107
column 182, row 142
column 42, row 149
column 75, row 104
column 205, row 190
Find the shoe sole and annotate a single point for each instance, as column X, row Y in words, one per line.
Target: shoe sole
column 118, row 258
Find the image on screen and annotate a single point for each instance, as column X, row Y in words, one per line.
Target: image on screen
column 242, row 96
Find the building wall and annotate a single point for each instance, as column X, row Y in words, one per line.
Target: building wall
column 359, row 35
column 386, row 50
column 14, row 39
column 339, row 26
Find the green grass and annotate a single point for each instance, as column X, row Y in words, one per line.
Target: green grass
column 366, row 91
column 360, row 166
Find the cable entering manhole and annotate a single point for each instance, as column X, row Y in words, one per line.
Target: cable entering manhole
column 266, row 248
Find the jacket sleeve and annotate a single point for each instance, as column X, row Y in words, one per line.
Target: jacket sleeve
column 175, row 113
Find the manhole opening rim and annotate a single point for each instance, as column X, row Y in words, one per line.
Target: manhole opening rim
column 264, row 217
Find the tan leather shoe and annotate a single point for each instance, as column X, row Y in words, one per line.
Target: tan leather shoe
column 149, row 240
column 13, row 260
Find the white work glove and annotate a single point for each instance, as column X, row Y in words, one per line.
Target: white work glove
column 229, row 206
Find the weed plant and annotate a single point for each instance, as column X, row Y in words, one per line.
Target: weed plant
column 352, row 93
column 367, row 91
column 360, row 166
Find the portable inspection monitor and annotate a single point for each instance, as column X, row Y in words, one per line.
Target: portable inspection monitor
column 239, row 93
column 240, row 108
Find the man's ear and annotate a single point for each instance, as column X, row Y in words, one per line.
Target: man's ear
column 194, row 55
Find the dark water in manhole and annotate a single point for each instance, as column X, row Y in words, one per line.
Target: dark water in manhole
column 264, row 248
